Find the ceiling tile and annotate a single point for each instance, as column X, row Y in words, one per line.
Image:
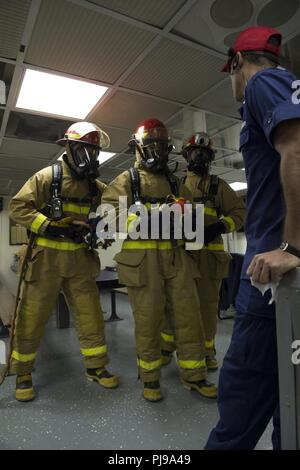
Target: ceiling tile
column 118, row 138
column 26, row 148
column 29, row 164
column 34, row 127
column 215, row 170
column 220, row 100
column 18, row 174
column 13, row 16
column 126, row 110
column 5, row 185
column 78, row 41
column 175, row 71
column 236, row 175
column 216, row 123
column 107, row 174
column 154, row 12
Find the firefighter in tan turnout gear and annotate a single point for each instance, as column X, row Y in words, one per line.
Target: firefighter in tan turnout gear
column 153, row 269
column 224, row 212
column 55, row 204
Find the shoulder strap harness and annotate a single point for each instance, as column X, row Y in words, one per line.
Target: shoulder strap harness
column 136, row 188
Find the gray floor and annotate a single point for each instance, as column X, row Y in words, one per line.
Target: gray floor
column 72, row 413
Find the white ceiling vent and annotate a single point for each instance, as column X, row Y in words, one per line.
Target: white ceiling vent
column 277, row 12
column 231, row 13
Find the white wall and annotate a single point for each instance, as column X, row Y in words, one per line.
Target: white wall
column 7, row 276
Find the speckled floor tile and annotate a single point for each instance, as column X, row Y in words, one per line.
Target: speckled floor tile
column 72, row 413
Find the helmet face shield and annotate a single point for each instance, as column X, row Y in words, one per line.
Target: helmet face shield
column 83, row 142
column 155, row 133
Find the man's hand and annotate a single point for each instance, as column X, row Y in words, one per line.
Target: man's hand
column 271, row 266
column 74, row 230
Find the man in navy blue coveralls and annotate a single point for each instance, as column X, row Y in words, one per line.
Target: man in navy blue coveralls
column 270, row 143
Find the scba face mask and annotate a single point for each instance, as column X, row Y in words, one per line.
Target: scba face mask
column 199, row 160
column 154, row 154
column 85, row 159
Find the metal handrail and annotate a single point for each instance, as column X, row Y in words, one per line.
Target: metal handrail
column 288, row 330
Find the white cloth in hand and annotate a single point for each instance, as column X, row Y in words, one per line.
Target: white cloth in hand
column 263, row 288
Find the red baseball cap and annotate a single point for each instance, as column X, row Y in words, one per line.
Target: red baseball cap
column 256, row 39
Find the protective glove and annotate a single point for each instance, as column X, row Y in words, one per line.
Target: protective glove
column 213, row 231
column 91, row 237
column 65, row 222
column 72, row 231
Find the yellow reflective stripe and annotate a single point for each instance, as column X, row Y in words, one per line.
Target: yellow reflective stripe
column 210, row 211
column 146, row 244
column 209, row 344
column 37, row 223
column 94, row 351
column 149, row 365
column 77, row 209
column 74, row 135
column 23, row 357
column 214, row 247
column 131, row 218
column 150, row 245
column 230, row 222
column 192, row 364
column 64, row 246
column 167, row 338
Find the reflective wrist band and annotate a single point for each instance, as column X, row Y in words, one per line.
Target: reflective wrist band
column 37, row 223
column 230, row 223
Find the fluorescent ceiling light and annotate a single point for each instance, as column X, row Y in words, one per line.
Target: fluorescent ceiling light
column 103, row 157
column 55, row 94
column 238, row 186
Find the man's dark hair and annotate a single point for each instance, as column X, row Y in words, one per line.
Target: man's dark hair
column 262, row 58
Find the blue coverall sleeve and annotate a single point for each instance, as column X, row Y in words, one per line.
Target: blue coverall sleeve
column 269, row 98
